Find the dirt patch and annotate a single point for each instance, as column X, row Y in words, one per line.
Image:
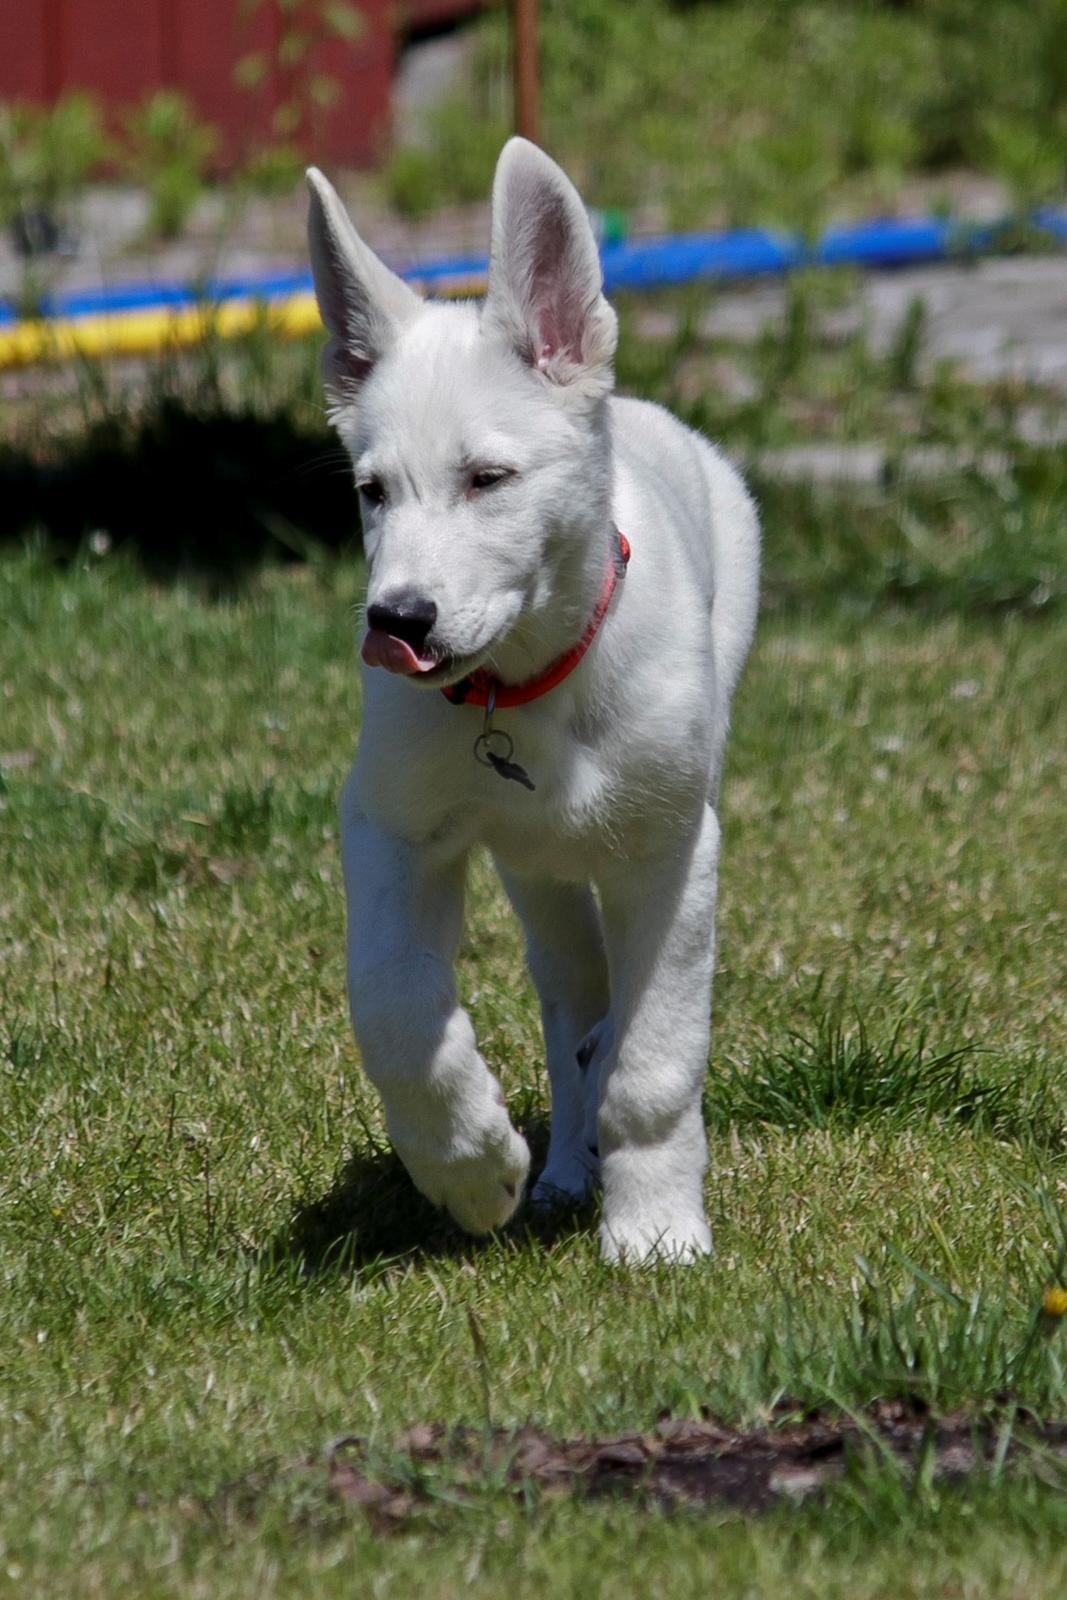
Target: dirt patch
column 678, row 1463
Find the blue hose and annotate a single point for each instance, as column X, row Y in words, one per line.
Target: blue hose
column 628, row 264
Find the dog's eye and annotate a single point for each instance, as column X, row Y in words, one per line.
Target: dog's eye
column 489, row 477
column 372, row 490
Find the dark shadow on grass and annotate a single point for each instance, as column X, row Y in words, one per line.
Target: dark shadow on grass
column 372, row 1215
column 195, row 491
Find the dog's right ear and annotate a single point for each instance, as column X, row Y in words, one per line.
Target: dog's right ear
column 361, row 302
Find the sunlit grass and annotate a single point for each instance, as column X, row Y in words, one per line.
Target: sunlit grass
column 211, row 1264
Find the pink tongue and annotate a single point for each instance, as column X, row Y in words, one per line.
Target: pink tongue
column 381, row 649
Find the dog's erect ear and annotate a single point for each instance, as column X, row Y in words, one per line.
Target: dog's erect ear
column 545, row 283
column 361, row 302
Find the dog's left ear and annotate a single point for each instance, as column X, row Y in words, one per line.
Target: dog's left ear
column 545, row 283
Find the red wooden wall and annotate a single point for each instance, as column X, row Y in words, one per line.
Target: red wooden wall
column 123, row 49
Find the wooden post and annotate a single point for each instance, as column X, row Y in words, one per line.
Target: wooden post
column 524, row 67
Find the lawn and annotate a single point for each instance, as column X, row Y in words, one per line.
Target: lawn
column 213, row 1267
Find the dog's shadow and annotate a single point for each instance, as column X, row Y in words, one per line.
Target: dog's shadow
column 373, row 1216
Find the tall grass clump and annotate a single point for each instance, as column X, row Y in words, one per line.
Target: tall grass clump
column 839, row 1075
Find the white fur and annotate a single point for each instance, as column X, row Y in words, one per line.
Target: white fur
column 625, row 753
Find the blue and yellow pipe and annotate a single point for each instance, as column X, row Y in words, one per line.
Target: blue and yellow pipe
column 141, row 319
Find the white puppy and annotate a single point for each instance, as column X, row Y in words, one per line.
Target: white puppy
column 581, row 735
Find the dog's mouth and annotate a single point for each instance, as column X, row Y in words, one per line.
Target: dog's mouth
column 381, row 649
column 439, row 667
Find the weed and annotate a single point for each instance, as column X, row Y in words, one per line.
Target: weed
column 169, row 151
column 903, row 356
column 46, row 158
column 839, row 1076
column 304, row 92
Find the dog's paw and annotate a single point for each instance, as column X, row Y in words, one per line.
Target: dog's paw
column 479, row 1185
column 642, row 1241
column 568, row 1180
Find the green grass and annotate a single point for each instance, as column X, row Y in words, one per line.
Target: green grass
column 211, row 1264
column 839, row 1077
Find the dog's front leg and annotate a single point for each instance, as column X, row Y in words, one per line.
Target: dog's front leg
column 444, row 1109
column 659, row 923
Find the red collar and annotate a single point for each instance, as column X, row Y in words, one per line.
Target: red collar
column 481, row 688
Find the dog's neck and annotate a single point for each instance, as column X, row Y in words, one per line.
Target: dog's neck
column 484, row 688
column 568, row 593
column 580, row 550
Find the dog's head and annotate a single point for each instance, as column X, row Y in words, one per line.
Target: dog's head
column 478, row 437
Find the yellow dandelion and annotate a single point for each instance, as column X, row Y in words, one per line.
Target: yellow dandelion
column 1054, row 1301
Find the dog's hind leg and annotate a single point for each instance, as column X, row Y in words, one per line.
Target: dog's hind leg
column 565, row 953
column 443, row 1107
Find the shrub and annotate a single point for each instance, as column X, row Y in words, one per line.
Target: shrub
column 169, row 151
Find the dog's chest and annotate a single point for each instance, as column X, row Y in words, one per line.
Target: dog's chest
column 565, row 827
column 561, row 827
column 596, row 796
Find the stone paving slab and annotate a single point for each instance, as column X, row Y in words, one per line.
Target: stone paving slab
column 869, row 464
column 994, row 318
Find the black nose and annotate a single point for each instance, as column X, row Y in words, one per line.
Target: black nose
column 404, row 614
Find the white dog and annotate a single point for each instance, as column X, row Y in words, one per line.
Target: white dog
column 527, row 690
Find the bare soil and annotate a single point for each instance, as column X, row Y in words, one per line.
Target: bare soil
column 680, row 1463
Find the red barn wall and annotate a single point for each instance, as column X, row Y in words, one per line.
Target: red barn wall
column 123, row 49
